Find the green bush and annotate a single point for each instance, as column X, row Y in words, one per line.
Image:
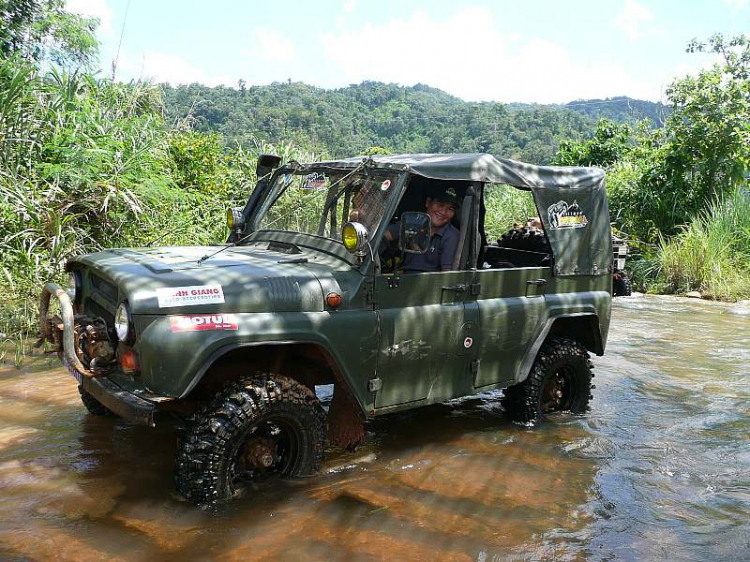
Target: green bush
column 506, row 206
column 711, row 254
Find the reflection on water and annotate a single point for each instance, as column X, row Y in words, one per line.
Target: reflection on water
column 658, row 470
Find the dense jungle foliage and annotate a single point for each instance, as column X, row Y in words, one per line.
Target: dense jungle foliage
column 399, row 119
column 87, row 163
column 680, row 192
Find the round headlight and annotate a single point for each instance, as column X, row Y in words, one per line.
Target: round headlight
column 74, row 286
column 122, row 322
column 354, row 236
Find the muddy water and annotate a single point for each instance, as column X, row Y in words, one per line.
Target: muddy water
column 658, row 470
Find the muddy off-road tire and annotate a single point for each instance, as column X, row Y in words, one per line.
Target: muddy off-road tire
column 93, row 405
column 621, row 286
column 529, row 238
column 256, row 428
column 560, row 380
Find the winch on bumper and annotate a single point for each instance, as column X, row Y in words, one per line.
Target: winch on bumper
column 66, row 333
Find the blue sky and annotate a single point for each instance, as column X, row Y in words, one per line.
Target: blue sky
column 545, row 51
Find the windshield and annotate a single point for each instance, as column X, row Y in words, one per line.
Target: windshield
column 322, row 202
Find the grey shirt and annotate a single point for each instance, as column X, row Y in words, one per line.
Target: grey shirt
column 440, row 254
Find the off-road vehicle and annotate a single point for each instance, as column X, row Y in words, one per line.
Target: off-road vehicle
column 620, row 281
column 235, row 338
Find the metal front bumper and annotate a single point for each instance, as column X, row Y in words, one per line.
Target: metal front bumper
column 123, row 403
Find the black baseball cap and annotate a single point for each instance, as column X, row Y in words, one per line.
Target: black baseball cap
column 447, row 194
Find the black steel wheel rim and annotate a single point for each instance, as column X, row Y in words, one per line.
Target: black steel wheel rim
column 558, row 390
column 286, row 438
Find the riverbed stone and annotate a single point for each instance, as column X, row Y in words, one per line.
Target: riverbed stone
column 694, row 295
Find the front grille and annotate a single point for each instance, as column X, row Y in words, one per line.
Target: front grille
column 95, row 310
column 107, row 289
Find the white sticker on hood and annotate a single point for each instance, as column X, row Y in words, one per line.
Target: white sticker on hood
column 190, row 296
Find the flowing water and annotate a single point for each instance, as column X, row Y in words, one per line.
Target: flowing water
column 658, row 470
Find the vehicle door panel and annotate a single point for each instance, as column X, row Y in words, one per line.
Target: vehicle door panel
column 423, row 328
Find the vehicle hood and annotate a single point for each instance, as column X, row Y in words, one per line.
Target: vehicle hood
column 170, row 280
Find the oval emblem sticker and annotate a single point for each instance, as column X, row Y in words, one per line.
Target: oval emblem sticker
column 385, row 185
column 468, row 342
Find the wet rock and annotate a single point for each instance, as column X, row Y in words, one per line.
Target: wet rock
column 694, row 295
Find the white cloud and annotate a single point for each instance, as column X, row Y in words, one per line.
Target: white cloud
column 634, row 20
column 161, row 67
column 95, row 8
column 272, row 45
column 351, row 5
column 737, row 4
column 467, row 56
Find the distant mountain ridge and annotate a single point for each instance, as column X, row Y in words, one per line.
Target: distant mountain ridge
column 620, row 109
column 420, row 118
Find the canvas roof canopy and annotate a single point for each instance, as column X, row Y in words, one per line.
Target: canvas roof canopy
column 485, row 168
column 572, row 201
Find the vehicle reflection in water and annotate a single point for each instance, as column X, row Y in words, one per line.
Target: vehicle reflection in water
column 660, row 469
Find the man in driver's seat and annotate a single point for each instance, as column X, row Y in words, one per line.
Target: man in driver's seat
column 444, row 237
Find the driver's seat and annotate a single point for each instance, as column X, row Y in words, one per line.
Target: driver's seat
column 464, row 250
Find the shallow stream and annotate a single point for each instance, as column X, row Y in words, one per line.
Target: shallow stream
column 658, row 470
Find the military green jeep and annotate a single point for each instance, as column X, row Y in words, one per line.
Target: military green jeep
column 310, row 291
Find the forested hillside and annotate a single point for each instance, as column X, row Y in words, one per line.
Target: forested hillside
column 350, row 120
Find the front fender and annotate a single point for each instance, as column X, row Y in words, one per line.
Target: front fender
column 173, row 359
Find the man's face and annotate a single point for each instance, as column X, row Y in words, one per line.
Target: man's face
column 440, row 213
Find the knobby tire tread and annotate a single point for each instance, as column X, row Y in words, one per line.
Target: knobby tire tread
column 204, row 450
column 522, row 402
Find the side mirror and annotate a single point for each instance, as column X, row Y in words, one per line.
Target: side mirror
column 267, row 163
column 414, row 236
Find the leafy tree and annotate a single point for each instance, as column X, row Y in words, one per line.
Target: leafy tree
column 42, row 30
column 659, row 179
column 16, row 17
column 611, row 143
column 707, row 147
column 703, row 150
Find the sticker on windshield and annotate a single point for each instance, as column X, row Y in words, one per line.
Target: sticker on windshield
column 203, row 322
column 190, row 296
column 385, row 185
column 561, row 215
column 316, row 180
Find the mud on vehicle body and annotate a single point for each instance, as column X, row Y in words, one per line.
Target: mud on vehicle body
column 234, row 338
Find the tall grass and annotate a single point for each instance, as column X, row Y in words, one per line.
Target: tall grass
column 506, row 206
column 711, row 254
column 88, row 164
